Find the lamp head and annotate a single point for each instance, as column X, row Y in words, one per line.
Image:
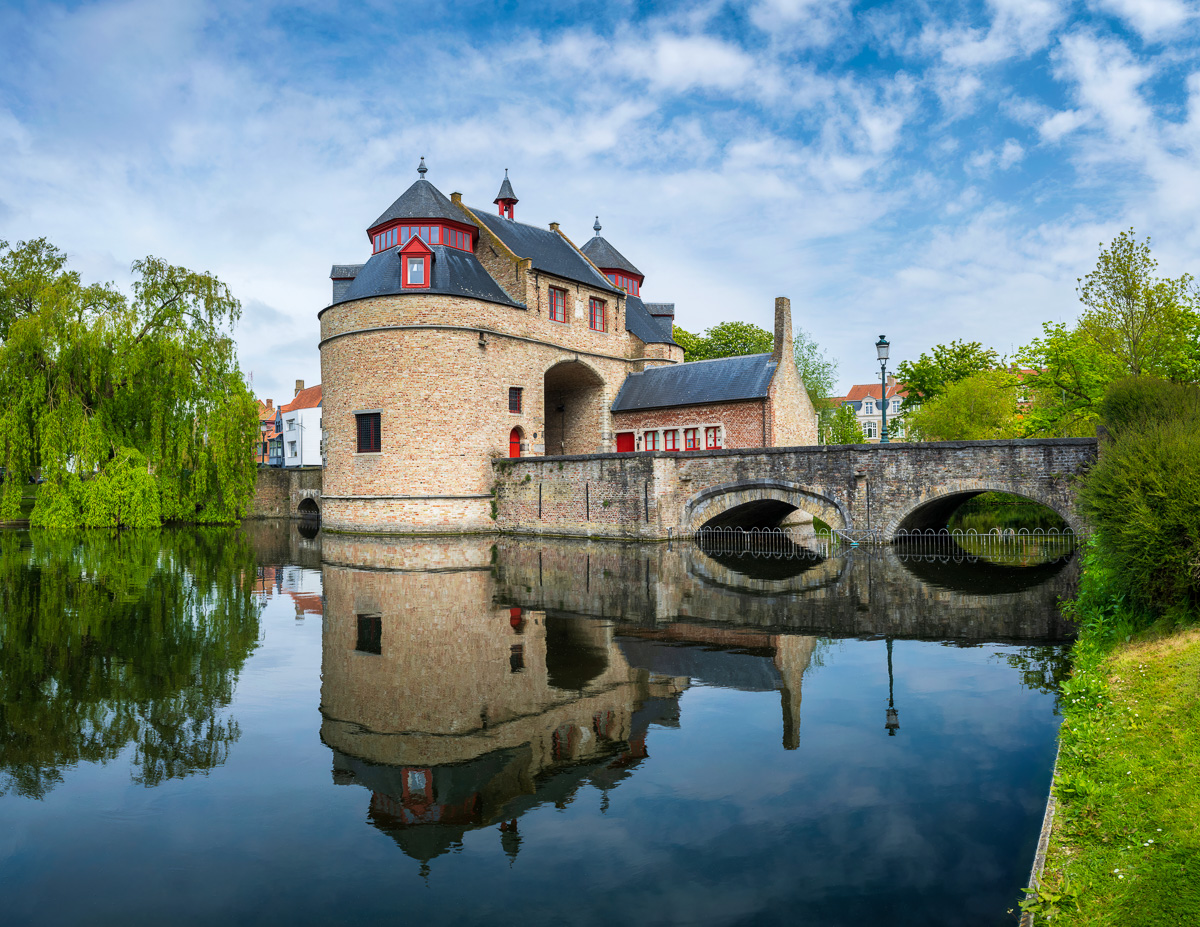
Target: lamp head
column 881, row 348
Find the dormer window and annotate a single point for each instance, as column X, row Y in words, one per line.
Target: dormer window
column 627, row 283
column 416, row 267
column 430, row 234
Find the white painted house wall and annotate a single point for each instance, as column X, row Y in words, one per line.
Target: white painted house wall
column 302, row 438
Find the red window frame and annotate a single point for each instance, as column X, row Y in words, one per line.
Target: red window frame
column 558, row 305
column 691, row 440
column 514, row 399
column 367, row 426
column 650, row 440
column 596, row 315
column 671, row 439
column 712, row 439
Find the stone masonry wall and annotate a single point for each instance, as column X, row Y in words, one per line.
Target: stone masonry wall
column 278, row 491
column 652, row 495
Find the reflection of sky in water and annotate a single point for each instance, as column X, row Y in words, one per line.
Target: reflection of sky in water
column 719, row 825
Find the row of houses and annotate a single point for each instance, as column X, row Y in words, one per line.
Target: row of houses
column 868, row 401
column 290, row 435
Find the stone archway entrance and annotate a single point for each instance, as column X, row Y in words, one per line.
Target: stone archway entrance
column 574, row 408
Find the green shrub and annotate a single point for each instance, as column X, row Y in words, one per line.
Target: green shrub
column 1136, row 402
column 1143, row 497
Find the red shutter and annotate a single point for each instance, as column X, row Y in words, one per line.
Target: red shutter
column 625, row 442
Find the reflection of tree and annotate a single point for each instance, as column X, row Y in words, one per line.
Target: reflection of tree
column 1043, row 668
column 108, row 640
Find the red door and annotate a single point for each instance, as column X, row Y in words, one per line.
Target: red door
column 514, row 443
column 624, row 442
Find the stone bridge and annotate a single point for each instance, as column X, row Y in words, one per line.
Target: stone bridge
column 889, row 487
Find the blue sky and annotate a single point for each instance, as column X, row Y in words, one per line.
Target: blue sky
column 926, row 170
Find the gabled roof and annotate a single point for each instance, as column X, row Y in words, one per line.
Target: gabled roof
column 644, row 325
column 549, row 251
column 727, row 379
column 606, row 257
column 422, row 201
column 454, row 273
column 305, row 399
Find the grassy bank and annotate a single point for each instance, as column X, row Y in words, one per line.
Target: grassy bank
column 1125, row 847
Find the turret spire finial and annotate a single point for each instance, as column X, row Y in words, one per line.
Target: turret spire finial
column 422, row 169
column 597, row 226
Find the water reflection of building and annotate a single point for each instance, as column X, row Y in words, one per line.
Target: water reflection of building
column 458, row 713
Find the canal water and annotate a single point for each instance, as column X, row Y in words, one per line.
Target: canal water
column 269, row 726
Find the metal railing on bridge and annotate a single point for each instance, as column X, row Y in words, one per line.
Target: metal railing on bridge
column 1017, row 547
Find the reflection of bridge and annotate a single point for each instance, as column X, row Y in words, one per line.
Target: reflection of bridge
column 880, row 487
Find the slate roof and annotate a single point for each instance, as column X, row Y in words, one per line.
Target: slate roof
column 506, row 191
column 606, row 257
column 455, row 273
column 305, row 399
column 344, row 271
column 423, row 201
column 644, row 325
column 726, row 379
column 549, row 251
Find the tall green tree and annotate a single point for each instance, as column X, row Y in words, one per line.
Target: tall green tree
column 133, row 410
column 840, row 426
column 1134, row 323
column 729, row 339
column 980, row 407
column 818, row 371
column 930, row 375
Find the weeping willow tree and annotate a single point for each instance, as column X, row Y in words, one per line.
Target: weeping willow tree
column 118, row 640
column 131, row 409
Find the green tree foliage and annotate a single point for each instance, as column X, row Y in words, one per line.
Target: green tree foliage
column 729, row 339
column 1143, row 495
column 1134, row 323
column 930, row 375
column 818, row 371
column 133, row 410
column 980, row 407
column 115, row 639
column 841, row 426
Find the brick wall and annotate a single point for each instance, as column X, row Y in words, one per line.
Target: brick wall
column 745, row 424
column 278, row 491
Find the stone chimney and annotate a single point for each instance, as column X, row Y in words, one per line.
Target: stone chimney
column 270, row 403
column 783, row 329
column 300, row 383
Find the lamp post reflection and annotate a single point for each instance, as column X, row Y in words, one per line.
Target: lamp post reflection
column 893, row 716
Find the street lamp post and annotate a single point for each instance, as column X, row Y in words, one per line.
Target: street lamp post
column 881, row 348
column 893, row 716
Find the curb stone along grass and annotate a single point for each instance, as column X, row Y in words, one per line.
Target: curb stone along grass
column 1125, row 843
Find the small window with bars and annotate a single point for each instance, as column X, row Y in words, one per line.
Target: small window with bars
column 514, row 399
column 368, row 432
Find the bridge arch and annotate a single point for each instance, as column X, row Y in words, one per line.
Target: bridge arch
column 758, row 504
column 308, row 508
column 934, row 510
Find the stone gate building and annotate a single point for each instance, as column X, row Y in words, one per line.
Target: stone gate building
column 468, row 336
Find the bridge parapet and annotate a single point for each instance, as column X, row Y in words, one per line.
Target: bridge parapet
column 652, row 496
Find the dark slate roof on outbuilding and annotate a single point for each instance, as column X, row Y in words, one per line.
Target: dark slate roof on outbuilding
column 605, row 256
column 726, row 379
column 549, row 251
column 644, row 325
column 423, row 201
column 455, row 273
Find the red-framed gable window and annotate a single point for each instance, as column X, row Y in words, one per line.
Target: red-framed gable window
column 670, row 440
column 558, row 304
column 651, row 441
column 416, row 264
column 596, row 319
column 712, row 438
column 690, row 442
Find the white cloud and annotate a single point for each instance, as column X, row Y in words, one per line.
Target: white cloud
column 1151, row 18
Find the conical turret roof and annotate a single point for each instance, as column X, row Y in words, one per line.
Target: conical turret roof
column 423, row 201
column 606, row 257
column 506, row 191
